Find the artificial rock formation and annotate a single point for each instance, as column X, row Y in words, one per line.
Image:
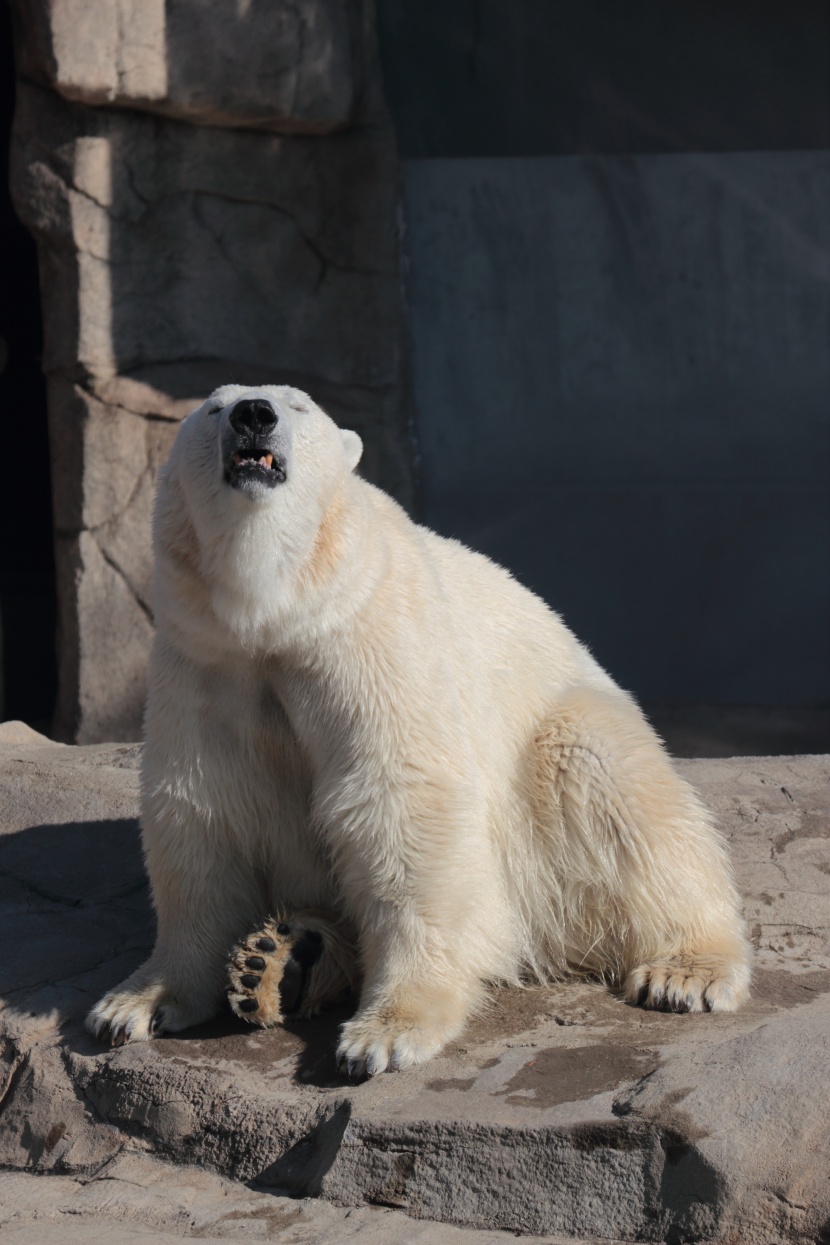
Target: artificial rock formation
column 213, row 190
column 561, row 1111
column 292, row 68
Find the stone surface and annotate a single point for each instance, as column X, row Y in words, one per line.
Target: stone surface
column 289, row 68
column 561, row 1109
column 137, row 1200
column 19, row 733
column 175, row 257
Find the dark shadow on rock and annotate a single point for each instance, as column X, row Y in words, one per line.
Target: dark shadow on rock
column 692, row 1194
column 76, row 899
column 78, row 863
column 320, row 1034
column 300, row 1172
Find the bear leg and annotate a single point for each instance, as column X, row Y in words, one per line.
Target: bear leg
column 646, row 890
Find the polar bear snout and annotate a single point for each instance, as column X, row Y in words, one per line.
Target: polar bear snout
column 252, row 417
column 254, row 447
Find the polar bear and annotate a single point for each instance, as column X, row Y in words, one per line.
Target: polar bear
column 349, row 713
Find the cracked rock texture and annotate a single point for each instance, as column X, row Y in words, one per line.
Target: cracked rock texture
column 560, row 1111
column 249, row 234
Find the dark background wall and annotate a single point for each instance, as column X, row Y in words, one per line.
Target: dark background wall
column 27, row 569
column 618, row 230
column 547, row 77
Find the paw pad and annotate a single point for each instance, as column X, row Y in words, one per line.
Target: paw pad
column 290, row 968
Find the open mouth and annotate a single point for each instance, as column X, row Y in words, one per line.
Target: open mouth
column 255, row 465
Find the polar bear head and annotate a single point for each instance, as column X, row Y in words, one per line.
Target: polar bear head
column 271, row 448
column 255, row 441
column 252, row 474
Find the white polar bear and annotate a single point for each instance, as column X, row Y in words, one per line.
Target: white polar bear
column 349, row 712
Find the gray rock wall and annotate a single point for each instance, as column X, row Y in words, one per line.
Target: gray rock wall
column 214, row 194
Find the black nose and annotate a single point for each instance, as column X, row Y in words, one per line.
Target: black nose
column 253, row 415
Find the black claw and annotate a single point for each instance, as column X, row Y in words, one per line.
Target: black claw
column 256, row 962
column 265, row 944
column 355, row 1069
column 249, row 981
column 157, row 1023
column 248, row 1005
column 283, row 929
column 119, row 1037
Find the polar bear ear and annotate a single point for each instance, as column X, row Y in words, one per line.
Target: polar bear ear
column 352, row 447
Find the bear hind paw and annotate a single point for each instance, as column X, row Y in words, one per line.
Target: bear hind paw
column 691, row 982
column 289, row 967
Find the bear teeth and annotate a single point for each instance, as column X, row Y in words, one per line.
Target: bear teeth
column 266, row 460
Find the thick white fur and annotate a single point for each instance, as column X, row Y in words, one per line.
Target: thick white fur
column 347, row 711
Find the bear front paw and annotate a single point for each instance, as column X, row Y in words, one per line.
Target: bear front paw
column 386, row 1042
column 690, row 982
column 139, row 1013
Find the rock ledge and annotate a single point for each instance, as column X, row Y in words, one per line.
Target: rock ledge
column 562, row 1110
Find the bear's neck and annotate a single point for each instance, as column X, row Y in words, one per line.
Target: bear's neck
column 290, row 593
